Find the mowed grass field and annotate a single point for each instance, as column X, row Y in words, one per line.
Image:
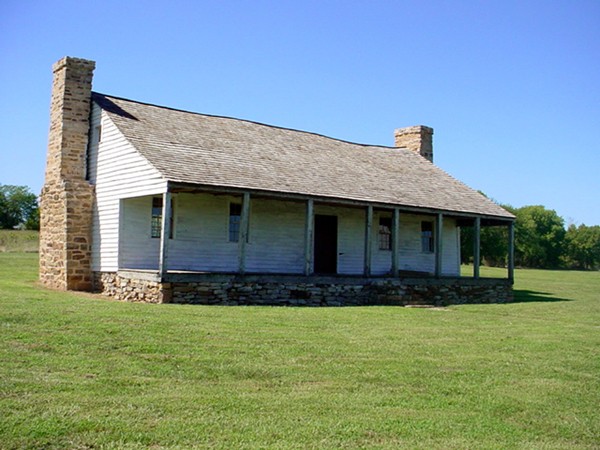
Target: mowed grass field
column 81, row 371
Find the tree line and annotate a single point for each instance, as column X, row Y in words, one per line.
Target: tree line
column 541, row 241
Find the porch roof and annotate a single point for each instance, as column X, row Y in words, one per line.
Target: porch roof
column 215, row 151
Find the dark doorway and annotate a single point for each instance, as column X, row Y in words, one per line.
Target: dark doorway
column 325, row 250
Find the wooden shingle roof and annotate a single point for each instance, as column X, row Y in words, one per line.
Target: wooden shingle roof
column 217, row 151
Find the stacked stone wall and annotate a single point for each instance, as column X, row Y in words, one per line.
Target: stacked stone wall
column 65, row 233
column 67, row 199
column 257, row 290
column 131, row 289
column 53, row 224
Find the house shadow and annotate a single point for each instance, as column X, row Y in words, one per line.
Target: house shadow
column 110, row 106
column 526, row 296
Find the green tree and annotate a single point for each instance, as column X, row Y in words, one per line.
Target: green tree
column 583, row 247
column 33, row 221
column 539, row 237
column 18, row 206
column 493, row 245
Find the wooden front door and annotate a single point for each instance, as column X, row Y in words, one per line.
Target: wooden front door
column 325, row 251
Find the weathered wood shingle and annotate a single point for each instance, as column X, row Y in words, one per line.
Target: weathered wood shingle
column 218, row 151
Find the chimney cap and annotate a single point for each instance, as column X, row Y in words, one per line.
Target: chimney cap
column 413, row 130
column 74, row 62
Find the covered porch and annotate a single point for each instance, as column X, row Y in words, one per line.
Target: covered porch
column 201, row 245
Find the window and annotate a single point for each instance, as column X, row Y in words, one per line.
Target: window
column 235, row 215
column 156, row 223
column 156, row 216
column 99, row 133
column 427, row 237
column 385, row 233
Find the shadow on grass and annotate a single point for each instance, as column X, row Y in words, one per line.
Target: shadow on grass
column 525, row 296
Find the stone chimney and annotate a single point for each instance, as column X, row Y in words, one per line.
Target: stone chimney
column 418, row 139
column 67, row 197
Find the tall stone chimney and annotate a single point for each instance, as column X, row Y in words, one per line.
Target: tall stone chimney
column 67, row 197
column 418, row 139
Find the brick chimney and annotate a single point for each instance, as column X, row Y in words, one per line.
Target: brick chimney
column 67, row 197
column 418, row 139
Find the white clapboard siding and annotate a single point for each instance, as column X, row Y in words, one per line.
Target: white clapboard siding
column 201, row 234
column 351, row 246
column 451, row 248
column 381, row 260
column 276, row 237
column 411, row 255
column 118, row 171
column 138, row 249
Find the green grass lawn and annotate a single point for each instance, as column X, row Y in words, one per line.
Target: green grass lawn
column 80, row 371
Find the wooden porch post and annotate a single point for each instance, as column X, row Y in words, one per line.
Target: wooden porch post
column 243, row 237
column 165, row 232
column 368, row 240
column 511, row 252
column 439, row 225
column 121, row 234
column 476, row 247
column 395, row 242
column 309, row 237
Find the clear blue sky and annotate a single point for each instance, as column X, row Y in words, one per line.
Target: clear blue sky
column 511, row 88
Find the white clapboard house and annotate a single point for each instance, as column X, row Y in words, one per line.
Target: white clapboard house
column 191, row 207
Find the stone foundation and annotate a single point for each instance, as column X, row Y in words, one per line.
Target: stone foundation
column 137, row 289
column 291, row 290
